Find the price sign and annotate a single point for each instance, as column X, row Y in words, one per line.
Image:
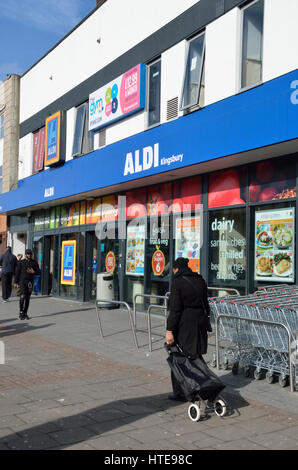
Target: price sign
column 158, row 262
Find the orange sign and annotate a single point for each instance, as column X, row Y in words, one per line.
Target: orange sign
column 110, row 262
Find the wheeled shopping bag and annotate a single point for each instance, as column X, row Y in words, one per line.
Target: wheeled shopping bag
column 198, row 383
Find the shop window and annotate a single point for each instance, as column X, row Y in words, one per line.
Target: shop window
column 227, row 248
column 193, row 83
column 39, row 221
column 154, row 93
column 186, row 194
column 83, row 139
column 227, row 188
column 272, row 180
column 38, row 150
column 252, row 39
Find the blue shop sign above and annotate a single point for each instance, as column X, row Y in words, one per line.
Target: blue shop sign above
column 263, row 116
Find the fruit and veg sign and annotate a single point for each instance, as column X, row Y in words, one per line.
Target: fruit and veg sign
column 274, row 245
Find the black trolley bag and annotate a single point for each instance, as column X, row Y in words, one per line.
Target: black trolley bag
column 197, row 381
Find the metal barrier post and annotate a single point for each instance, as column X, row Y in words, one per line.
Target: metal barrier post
column 162, row 307
column 164, row 297
column 265, row 322
column 129, row 314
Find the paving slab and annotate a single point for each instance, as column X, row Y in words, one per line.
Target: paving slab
column 64, row 387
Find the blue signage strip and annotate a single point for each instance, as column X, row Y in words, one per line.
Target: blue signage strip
column 263, row 116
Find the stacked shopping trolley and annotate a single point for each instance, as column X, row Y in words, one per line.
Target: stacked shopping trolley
column 259, row 333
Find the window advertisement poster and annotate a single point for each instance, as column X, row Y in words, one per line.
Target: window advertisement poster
column 187, row 241
column 227, row 248
column 70, row 215
column 93, row 211
column 38, row 150
column 52, row 139
column 135, row 250
column 158, row 262
column 110, row 262
column 227, row 188
column 275, row 245
column 273, row 180
column 68, row 263
column 186, row 193
column 117, row 99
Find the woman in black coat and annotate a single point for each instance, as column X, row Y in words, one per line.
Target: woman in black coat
column 189, row 312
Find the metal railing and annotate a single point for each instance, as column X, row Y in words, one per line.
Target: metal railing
column 265, row 322
column 152, row 296
column 152, row 306
column 225, row 289
column 118, row 302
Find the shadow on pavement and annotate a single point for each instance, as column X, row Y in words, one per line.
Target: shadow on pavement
column 20, row 328
column 95, row 422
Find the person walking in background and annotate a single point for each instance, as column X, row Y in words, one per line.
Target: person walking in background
column 19, row 257
column 189, row 317
column 24, row 279
column 8, row 261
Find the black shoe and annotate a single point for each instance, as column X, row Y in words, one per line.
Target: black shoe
column 26, row 317
column 173, row 396
column 22, row 316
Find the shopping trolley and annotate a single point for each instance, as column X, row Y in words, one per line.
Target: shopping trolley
column 259, row 331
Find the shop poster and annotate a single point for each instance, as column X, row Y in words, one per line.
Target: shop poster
column 187, row 242
column 135, row 250
column 68, row 263
column 275, row 245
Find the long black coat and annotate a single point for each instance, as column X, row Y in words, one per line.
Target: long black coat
column 187, row 318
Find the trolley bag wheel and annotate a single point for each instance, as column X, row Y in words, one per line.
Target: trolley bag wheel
column 270, row 377
column 220, row 408
column 283, row 380
column 258, row 374
column 246, row 371
column 194, row 412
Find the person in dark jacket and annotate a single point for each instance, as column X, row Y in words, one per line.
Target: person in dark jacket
column 24, row 278
column 189, row 316
column 8, row 261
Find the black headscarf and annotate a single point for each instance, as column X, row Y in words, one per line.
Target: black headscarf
column 180, row 263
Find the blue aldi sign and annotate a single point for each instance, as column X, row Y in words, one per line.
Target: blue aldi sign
column 68, row 263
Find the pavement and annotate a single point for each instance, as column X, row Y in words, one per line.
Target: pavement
column 63, row 386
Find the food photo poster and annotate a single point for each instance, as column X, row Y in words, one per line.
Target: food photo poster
column 274, row 245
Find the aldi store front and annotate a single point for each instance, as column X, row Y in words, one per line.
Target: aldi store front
column 217, row 186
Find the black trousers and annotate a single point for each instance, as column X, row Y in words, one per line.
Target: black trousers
column 26, row 288
column 6, row 285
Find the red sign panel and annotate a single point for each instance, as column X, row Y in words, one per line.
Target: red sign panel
column 38, row 150
column 158, row 262
column 110, row 262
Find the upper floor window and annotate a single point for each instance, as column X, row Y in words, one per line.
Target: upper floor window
column 252, row 44
column 82, row 141
column 193, row 84
column 154, row 93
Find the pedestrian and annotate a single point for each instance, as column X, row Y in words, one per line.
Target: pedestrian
column 24, row 279
column 8, row 261
column 19, row 257
column 189, row 316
